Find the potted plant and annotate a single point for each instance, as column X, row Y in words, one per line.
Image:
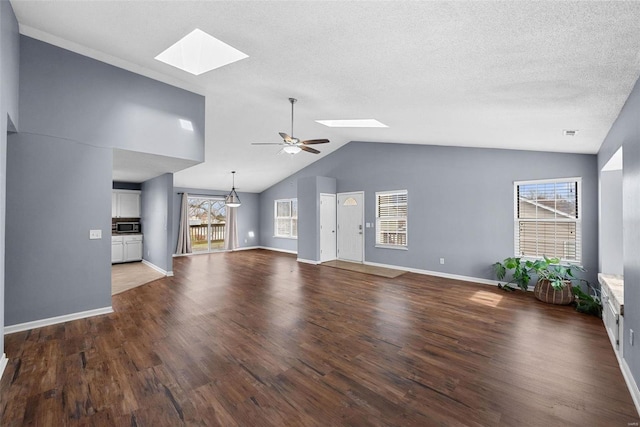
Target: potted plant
column 554, row 282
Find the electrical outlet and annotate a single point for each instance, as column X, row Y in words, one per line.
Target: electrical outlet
column 631, row 336
column 441, row 260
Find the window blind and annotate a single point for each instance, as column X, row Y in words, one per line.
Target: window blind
column 547, row 219
column 391, row 218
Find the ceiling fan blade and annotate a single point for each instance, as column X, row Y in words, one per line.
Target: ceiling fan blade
column 267, row 143
column 309, row 149
column 314, row 141
column 286, row 137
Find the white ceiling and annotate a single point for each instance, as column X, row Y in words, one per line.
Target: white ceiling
column 476, row 74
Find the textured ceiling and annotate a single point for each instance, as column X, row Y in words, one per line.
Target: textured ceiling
column 475, row 74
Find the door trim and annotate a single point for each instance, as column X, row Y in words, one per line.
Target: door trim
column 363, row 225
column 335, row 235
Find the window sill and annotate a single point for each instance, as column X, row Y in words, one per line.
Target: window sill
column 401, row 248
column 285, row 237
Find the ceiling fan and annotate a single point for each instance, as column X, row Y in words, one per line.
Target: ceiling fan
column 292, row 145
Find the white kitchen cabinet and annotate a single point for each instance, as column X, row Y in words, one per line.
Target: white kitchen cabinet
column 117, row 249
column 126, row 248
column 133, row 248
column 125, row 204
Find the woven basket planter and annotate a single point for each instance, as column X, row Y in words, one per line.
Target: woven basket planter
column 547, row 293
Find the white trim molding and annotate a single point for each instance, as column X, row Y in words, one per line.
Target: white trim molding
column 277, row 250
column 631, row 382
column 308, row 261
column 3, row 363
column 55, row 320
column 158, row 269
column 246, row 248
column 437, row 274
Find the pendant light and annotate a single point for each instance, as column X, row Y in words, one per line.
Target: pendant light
column 232, row 200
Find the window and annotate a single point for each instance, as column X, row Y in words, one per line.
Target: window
column 391, row 219
column 547, row 219
column 286, row 215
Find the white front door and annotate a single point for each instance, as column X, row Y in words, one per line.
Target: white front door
column 327, row 227
column 350, row 226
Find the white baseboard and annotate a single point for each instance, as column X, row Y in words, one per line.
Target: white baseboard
column 308, row 261
column 436, row 273
column 55, row 320
column 246, row 248
column 277, row 250
column 3, row 363
column 156, row 268
column 631, row 383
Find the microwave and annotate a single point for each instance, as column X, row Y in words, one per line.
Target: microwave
column 127, row 227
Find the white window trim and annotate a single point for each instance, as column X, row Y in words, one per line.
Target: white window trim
column 404, row 247
column 275, row 219
column 577, row 221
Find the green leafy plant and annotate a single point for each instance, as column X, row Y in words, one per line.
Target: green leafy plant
column 550, row 269
column 559, row 275
column 586, row 303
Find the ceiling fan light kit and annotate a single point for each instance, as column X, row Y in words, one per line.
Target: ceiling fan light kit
column 292, row 149
column 291, row 144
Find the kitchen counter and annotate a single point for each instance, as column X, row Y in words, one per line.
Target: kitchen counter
column 615, row 285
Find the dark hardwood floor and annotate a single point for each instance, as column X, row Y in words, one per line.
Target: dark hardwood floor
column 254, row 338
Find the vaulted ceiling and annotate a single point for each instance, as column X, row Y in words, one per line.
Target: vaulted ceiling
column 509, row 75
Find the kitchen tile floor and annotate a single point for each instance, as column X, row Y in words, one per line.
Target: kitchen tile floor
column 130, row 275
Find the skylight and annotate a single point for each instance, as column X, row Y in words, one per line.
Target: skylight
column 357, row 123
column 199, row 52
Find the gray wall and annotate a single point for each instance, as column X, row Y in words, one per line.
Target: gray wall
column 460, row 200
column 248, row 215
column 75, row 97
column 286, row 189
column 76, row 110
column 611, row 259
column 625, row 133
column 9, row 67
column 157, row 220
column 56, row 192
column 309, row 189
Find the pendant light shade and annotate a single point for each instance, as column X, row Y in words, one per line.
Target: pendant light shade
column 232, row 200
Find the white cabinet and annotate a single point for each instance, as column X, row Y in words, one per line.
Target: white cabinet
column 125, row 204
column 117, row 249
column 133, row 248
column 126, row 248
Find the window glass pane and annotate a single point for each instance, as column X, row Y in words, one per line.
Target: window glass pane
column 286, row 213
column 391, row 218
column 547, row 225
column 283, row 227
column 350, row 202
column 283, row 208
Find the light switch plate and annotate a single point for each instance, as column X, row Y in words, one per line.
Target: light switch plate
column 95, row 234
